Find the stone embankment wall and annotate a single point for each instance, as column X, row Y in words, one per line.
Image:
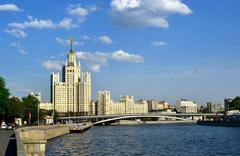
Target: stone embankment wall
column 32, row 140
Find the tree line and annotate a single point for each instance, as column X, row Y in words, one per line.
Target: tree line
column 12, row 107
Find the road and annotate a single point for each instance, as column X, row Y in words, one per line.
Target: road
column 7, row 143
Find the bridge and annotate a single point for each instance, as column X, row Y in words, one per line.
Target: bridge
column 101, row 119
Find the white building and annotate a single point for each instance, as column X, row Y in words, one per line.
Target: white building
column 46, row 106
column 73, row 93
column 126, row 105
column 186, row 106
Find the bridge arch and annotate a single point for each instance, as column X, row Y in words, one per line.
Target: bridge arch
column 139, row 116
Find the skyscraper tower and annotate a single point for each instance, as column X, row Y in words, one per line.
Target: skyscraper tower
column 73, row 94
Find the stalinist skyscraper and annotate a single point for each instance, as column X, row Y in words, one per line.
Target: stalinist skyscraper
column 73, row 94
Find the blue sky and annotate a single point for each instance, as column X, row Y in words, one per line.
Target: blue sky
column 161, row 49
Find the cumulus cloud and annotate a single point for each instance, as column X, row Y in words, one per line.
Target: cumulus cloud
column 144, row 13
column 19, row 47
column 65, row 23
column 66, row 42
column 99, row 59
column 9, row 7
column 52, row 65
column 105, row 39
column 96, row 60
column 120, row 55
column 80, row 12
column 16, row 28
column 16, row 32
column 158, row 44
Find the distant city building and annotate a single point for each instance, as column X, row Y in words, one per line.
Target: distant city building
column 227, row 102
column 73, row 94
column 186, row 106
column 213, row 107
column 46, row 106
column 126, row 105
column 155, row 105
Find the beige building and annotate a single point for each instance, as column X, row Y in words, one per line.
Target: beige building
column 46, row 106
column 186, row 106
column 73, row 93
column 155, row 105
column 126, row 105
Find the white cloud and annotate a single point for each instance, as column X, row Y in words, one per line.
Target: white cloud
column 52, row 65
column 158, row 44
column 144, row 13
column 101, row 57
column 95, row 60
column 85, row 37
column 19, row 47
column 98, row 59
column 80, row 12
column 23, row 51
column 16, row 32
column 125, row 4
column 9, row 7
column 16, row 28
column 66, row 42
column 121, row 55
column 96, row 68
column 105, row 39
column 65, row 23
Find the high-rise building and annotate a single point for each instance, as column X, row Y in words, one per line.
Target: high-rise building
column 214, row 107
column 227, row 102
column 73, row 93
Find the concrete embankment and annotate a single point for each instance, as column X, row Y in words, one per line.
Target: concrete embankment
column 32, row 140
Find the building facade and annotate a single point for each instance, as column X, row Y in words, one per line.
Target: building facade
column 73, row 93
column 227, row 102
column 213, row 107
column 46, row 106
column 186, row 106
column 155, row 105
column 126, row 105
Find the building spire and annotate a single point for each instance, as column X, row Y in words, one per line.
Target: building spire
column 71, row 41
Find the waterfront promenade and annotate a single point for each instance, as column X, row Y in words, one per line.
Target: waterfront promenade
column 32, row 140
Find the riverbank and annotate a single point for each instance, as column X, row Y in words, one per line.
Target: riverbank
column 32, row 140
column 134, row 122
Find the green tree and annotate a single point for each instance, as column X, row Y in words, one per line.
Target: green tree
column 4, row 99
column 235, row 104
column 30, row 107
column 15, row 109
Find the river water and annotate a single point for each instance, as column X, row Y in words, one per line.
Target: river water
column 148, row 140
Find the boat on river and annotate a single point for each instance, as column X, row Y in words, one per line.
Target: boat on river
column 227, row 121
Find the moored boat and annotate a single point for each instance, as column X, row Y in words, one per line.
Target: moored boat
column 227, row 121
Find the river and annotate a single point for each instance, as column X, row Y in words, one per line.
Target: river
column 148, row 140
